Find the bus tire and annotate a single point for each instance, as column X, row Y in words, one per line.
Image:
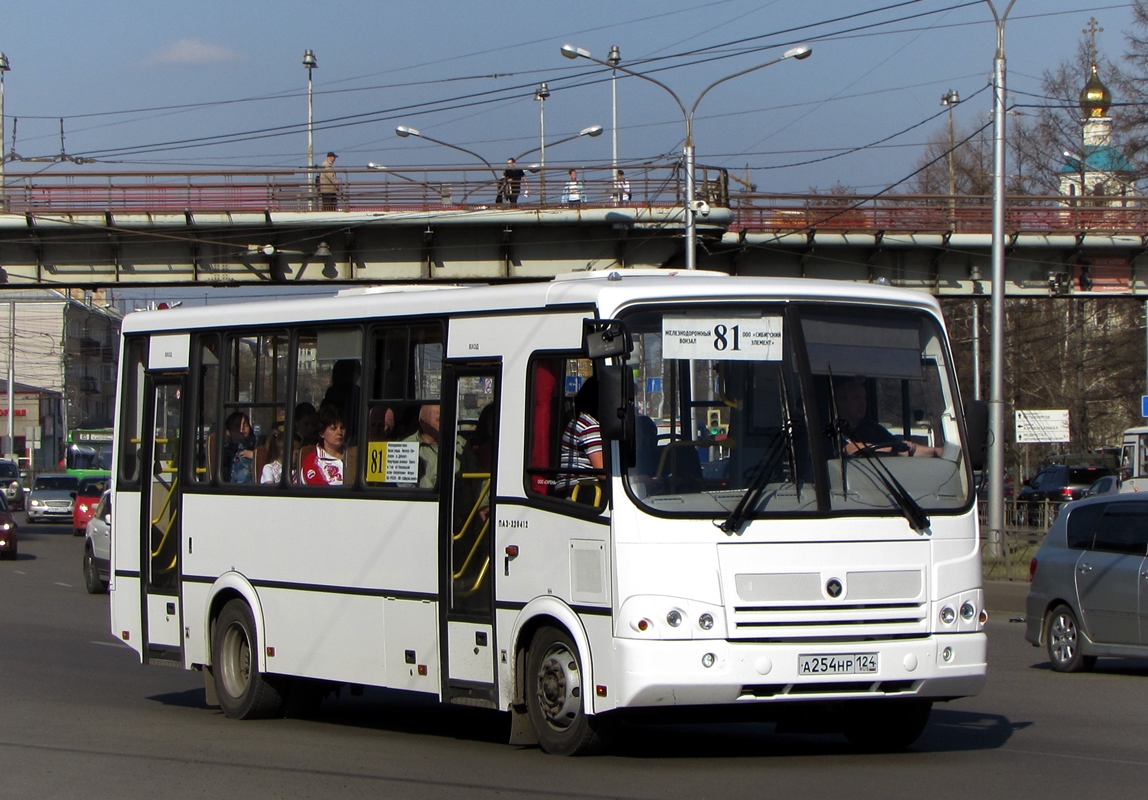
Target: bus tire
column 885, row 725
column 244, row 692
column 554, row 695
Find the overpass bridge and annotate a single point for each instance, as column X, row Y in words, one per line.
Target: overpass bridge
column 85, row 228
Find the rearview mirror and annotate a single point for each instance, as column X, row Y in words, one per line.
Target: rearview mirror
column 977, row 427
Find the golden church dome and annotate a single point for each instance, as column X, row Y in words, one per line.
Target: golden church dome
column 1095, row 98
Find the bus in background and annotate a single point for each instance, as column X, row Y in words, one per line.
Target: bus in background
column 496, row 496
column 89, row 451
column 1134, row 460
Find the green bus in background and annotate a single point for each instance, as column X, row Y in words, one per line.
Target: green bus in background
column 89, row 451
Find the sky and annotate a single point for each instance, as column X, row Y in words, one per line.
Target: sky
column 220, row 84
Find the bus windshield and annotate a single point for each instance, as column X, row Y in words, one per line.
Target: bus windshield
column 794, row 409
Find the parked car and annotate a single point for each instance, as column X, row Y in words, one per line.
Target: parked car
column 13, row 487
column 92, row 487
column 98, row 546
column 1086, row 582
column 8, row 532
column 1109, row 484
column 1060, row 483
column 52, row 497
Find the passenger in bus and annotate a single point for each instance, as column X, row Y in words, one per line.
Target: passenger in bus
column 343, row 393
column 427, row 437
column 323, row 466
column 381, row 424
column 273, row 470
column 581, row 450
column 239, row 449
column 864, row 432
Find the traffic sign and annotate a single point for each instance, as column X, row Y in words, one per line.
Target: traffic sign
column 1144, row 406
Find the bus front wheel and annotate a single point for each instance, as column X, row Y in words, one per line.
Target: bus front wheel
column 244, row 692
column 554, row 695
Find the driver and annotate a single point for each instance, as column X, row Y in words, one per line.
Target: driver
column 853, row 406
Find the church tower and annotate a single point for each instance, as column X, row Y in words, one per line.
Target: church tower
column 1094, row 167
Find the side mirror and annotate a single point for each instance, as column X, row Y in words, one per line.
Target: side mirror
column 108, row 519
column 616, row 407
column 606, row 338
column 977, row 427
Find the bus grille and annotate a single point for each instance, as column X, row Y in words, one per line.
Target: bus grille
column 829, row 622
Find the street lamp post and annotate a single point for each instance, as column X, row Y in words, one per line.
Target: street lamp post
column 540, row 94
column 613, row 60
column 950, row 99
column 311, row 64
column 996, row 464
column 691, row 234
column 4, row 67
column 403, row 132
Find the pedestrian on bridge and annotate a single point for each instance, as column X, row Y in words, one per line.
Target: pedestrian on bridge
column 575, row 192
column 328, row 184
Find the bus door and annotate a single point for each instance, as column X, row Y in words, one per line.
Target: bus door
column 467, row 474
column 160, row 523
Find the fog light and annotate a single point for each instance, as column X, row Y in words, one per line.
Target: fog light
column 947, row 654
column 674, row 618
column 706, row 622
column 967, row 611
column 948, row 615
column 708, row 660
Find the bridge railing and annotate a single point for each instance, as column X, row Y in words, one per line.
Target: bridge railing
column 790, row 213
column 380, row 189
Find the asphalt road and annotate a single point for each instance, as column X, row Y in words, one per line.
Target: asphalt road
column 79, row 717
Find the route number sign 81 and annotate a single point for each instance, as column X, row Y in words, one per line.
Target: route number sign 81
column 722, row 338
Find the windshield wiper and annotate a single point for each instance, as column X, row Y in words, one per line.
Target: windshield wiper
column 912, row 510
column 909, row 507
column 780, row 444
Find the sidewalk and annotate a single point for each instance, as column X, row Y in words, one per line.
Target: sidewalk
column 1005, row 598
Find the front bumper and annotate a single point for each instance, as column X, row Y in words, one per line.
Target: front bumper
column 49, row 513
column 671, row 673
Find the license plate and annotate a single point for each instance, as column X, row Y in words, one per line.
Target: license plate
column 845, row 664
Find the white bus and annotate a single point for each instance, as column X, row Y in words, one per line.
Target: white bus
column 777, row 564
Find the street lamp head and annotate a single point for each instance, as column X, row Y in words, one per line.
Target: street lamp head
column 309, row 60
column 800, row 52
column 542, row 92
column 570, row 51
column 4, row 66
column 950, row 98
column 373, row 165
column 615, row 56
column 404, row 131
column 593, row 130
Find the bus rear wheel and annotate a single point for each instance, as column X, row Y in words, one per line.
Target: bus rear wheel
column 244, row 692
column 554, row 695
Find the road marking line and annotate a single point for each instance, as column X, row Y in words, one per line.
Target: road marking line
column 60, row 583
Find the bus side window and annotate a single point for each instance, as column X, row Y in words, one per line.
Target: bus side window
column 566, row 454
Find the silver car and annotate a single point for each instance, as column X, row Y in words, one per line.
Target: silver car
column 1086, row 585
column 51, row 498
column 98, row 547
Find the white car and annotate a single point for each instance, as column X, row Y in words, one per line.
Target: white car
column 98, row 547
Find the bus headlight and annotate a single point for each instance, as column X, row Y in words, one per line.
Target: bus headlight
column 948, row 615
column 674, row 618
column 967, row 611
column 706, row 621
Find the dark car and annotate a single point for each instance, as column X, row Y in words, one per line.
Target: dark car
column 1087, row 579
column 8, row 532
column 92, row 487
column 10, row 481
column 1060, row 483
